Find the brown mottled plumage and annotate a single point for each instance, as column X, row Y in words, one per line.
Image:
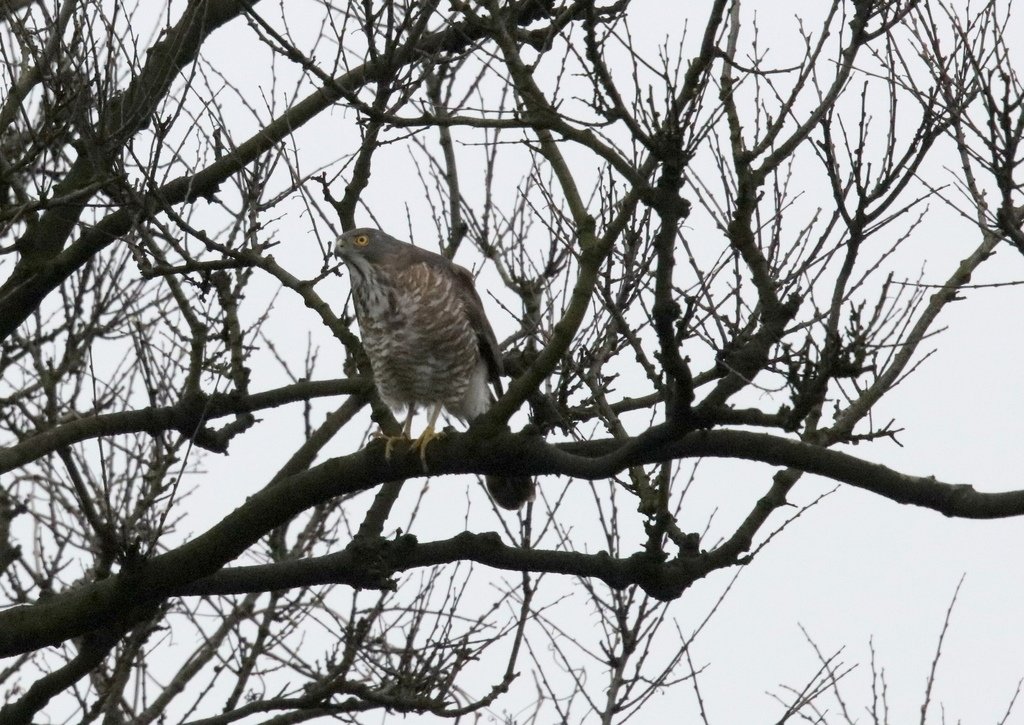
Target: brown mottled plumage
column 429, row 342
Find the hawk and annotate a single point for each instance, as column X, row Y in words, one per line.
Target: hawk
column 428, row 339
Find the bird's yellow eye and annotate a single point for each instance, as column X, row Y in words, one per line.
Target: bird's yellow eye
column 362, row 240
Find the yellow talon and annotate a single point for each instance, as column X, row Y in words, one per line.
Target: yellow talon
column 389, row 442
column 427, row 435
column 420, row 443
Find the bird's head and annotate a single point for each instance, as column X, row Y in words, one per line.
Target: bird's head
column 366, row 251
column 364, row 243
column 363, row 251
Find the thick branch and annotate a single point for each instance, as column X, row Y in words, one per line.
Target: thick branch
column 92, row 650
column 88, row 607
column 186, row 417
column 370, row 564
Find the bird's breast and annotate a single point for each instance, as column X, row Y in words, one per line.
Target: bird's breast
column 419, row 339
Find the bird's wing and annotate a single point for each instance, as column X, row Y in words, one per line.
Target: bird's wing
column 466, row 286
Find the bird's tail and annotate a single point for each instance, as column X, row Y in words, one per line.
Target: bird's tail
column 510, row 493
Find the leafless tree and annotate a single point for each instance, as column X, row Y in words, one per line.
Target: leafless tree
column 689, row 248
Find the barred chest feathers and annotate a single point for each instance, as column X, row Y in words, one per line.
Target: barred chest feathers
column 420, row 340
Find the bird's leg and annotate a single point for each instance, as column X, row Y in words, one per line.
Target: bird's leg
column 427, row 435
column 406, row 434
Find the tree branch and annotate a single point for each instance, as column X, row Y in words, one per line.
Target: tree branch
column 186, row 417
column 85, row 608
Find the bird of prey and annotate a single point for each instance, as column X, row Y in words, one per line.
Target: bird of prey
column 428, row 339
